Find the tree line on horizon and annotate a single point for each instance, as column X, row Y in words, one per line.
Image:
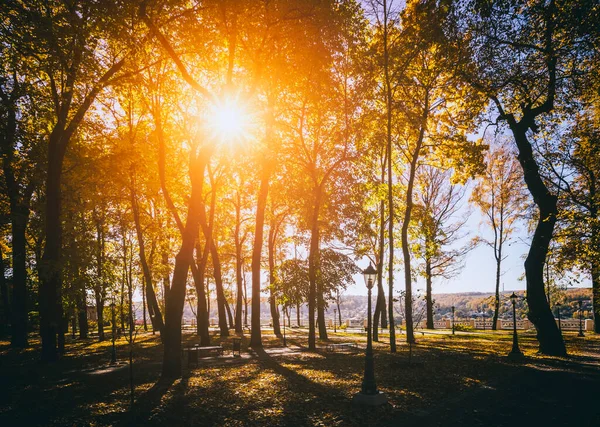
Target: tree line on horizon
column 355, row 129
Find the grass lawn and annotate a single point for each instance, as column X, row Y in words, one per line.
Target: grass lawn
column 452, row 381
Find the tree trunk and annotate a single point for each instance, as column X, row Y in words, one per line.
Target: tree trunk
column 201, row 305
column 549, row 337
column 99, row 286
column 255, row 337
column 82, row 316
column 596, row 295
column 229, row 315
column 428, row 295
column 51, row 271
column 174, row 307
column 497, row 295
column 153, row 308
column 313, row 271
column 272, row 302
column 145, row 322
column 100, row 315
column 238, row 267
column 5, row 314
column 380, row 306
column 388, row 106
column 19, row 322
column 298, row 315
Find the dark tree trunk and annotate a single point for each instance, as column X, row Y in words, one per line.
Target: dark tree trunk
column 153, row 308
column 5, row 313
column 19, row 293
column 82, row 316
column 238, row 267
column 174, row 307
column 272, row 302
column 390, row 193
column 428, row 294
column 51, row 271
column 313, row 267
column 298, row 315
column 50, row 291
column 497, row 294
column 255, row 337
column 207, row 229
column 144, row 320
column 410, row 337
column 380, row 306
column 100, row 315
column 596, row 295
column 99, row 287
column 595, row 264
column 549, row 337
column 19, row 204
column 201, row 305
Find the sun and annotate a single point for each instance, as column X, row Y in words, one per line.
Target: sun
column 228, row 120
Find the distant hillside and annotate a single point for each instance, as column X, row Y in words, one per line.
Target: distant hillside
column 467, row 304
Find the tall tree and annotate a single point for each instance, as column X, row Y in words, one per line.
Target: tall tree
column 440, row 229
column 60, row 41
column 525, row 57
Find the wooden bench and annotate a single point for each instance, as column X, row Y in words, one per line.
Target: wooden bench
column 342, row 346
column 196, row 351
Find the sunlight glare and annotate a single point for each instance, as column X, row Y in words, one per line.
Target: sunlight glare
column 228, row 120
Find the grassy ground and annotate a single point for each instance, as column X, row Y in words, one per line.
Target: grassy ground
column 452, row 380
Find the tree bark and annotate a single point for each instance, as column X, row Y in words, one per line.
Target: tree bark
column 238, row 267
column 201, row 305
column 153, row 308
column 82, row 316
column 255, row 337
column 18, row 310
column 174, row 307
column 207, row 228
column 272, row 302
column 428, row 294
column 5, row 313
column 313, row 271
column 388, row 106
column 549, row 337
column 497, row 294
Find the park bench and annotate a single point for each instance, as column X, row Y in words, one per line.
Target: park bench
column 196, row 351
column 342, row 346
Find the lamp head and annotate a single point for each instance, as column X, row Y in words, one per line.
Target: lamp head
column 514, row 298
column 370, row 274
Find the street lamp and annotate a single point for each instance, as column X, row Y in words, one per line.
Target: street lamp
column 369, row 395
column 483, row 316
column 515, row 353
column 113, row 357
column 334, row 316
column 452, row 320
column 284, row 342
column 558, row 314
column 580, row 334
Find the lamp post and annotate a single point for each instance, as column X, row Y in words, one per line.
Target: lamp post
column 452, row 320
column 558, row 315
column 580, row 334
column 284, row 342
column 515, row 353
column 113, row 357
column 334, row 316
column 369, row 395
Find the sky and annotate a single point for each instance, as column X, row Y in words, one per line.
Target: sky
column 479, row 273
